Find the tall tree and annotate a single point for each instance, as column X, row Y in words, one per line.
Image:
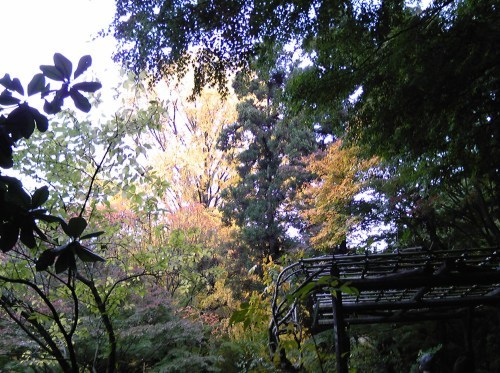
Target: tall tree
column 185, row 133
column 269, row 149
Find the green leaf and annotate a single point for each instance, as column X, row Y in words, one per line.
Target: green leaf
column 37, row 84
column 91, row 235
column 349, row 290
column 83, row 65
column 88, row 86
column 45, row 260
column 75, row 227
column 81, row 102
column 52, row 72
column 326, row 280
column 64, row 261
column 238, row 316
column 39, row 197
column 63, row 65
column 305, row 290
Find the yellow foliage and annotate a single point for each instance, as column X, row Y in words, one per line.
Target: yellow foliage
column 341, row 176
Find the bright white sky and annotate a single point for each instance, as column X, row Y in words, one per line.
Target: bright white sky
column 33, row 30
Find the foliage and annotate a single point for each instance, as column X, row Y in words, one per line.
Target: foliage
column 183, row 134
column 269, row 147
column 249, row 325
column 415, row 87
column 412, row 93
column 333, row 202
column 157, row 36
column 103, row 159
column 20, row 211
column 30, row 290
column 425, row 104
column 153, row 336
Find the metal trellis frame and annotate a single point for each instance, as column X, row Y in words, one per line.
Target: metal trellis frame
column 408, row 285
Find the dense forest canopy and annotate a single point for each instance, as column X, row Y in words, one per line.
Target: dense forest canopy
column 246, row 135
column 415, row 87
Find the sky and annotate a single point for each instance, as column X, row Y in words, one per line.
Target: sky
column 33, row 30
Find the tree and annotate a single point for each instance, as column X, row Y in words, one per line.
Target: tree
column 427, row 107
column 185, row 132
column 20, row 211
column 269, row 148
column 22, row 214
column 158, row 36
column 334, row 204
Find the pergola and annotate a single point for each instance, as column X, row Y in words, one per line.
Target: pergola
column 408, row 285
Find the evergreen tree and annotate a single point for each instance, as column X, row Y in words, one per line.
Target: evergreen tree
column 269, row 164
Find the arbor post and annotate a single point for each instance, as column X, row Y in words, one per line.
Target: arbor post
column 342, row 347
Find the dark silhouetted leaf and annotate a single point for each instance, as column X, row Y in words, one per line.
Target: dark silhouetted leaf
column 37, row 84
column 45, row 260
column 6, row 81
column 9, row 233
column 75, row 227
column 6, row 143
column 39, row 197
column 40, row 215
column 83, row 65
column 52, row 107
column 87, row 86
column 6, row 99
column 65, row 260
column 21, row 122
column 39, row 232
column 52, row 72
column 12, row 84
column 91, row 235
column 18, row 196
column 42, row 123
column 81, row 102
column 27, row 237
column 17, row 86
column 63, row 65
column 60, row 249
column 86, row 255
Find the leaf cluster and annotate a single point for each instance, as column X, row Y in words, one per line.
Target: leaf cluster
column 20, row 211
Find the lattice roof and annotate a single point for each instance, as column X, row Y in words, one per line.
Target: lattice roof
column 408, row 285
